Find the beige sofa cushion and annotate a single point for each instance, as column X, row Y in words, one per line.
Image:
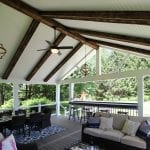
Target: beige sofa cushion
column 134, row 141
column 114, row 135
column 94, row 132
column 130, row 127
column 118, row 121
column 106, row 123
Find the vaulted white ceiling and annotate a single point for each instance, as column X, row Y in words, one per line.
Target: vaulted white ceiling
column 14, row 24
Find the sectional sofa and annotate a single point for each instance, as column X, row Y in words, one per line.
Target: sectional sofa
column 116, row 137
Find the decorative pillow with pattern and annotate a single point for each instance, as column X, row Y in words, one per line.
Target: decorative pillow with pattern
column 93, row 122
column 1, row 137
column 130, row 127
column 106, row 123
column 144, row 130
column 8, row 143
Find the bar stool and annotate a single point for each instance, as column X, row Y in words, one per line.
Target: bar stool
column 104, row 110
column 85, row 114
column 73, row 112
column 122, row 113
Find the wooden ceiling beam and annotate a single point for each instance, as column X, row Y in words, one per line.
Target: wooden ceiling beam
column 126, row 17
column 76, row 48
column 34, row 13
column 33, row 26
column 111, row 36
column 123, row 47
column 44, row 57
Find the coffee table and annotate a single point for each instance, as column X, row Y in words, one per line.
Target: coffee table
column 83, row 146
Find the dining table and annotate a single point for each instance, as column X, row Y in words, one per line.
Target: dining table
column 5, row 121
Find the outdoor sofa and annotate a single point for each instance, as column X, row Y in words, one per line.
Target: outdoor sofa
column 115, row 138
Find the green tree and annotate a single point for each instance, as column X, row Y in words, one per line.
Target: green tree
column 37, row 91
column 5, row 92
column 113, row 61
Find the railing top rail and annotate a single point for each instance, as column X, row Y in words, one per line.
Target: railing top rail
column 105, row 104
column 53, row 104
column 38, row 105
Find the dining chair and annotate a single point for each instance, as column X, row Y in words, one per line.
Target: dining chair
column 46, row 110
column 20, row 111
column 34, row 122
column 45, row 120
column 7, row 112
column 17, row 123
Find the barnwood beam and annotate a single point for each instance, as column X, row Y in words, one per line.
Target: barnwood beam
column 123, row 47
column 76, row 48
column 127, row 17
column 117, row 37
column 44, row 57
column 34, row 13
column 33, row 26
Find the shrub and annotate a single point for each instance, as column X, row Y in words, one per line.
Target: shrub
column 30, row 102
column 35, row 101
column 7, row 104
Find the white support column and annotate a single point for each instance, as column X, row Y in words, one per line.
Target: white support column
column 15, row 96
column 98, row 62
column 71, row 91
column 57, row 99
column 140, row 94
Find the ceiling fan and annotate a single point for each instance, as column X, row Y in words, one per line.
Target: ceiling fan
column 55, row 49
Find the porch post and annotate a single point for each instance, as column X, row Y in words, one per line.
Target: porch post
column 71, row 91
column 57, row 99
column 140, row 94
column 98, row 62
column 15, row 96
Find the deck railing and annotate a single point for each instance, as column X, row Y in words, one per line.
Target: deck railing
column 38, row 107
column 113, row 107
column 34, row 107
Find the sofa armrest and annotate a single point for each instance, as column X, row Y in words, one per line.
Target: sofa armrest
column 148, row 142
column 30, row 146
column 84, row 126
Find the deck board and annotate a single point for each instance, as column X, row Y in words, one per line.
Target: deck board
column 63, row 139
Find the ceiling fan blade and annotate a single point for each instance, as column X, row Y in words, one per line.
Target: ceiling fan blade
column 64, row 47
column 49, row 42
column 41, row 49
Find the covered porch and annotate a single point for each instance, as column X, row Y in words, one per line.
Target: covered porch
column 46, row 42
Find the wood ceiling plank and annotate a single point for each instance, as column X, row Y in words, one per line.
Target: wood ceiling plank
column 75, row 49
column 127, row 17
column 33, row 26
column 44, row 57
column 117, row 37
column 34, row 13
column 123, row 47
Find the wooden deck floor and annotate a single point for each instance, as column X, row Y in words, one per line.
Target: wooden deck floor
column 63, row 139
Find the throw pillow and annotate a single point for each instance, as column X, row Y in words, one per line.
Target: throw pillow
column 130, row 127
column 93, row 122
column 144, row 130
column 9, row 143
column 1, row 137
column 106, row 123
